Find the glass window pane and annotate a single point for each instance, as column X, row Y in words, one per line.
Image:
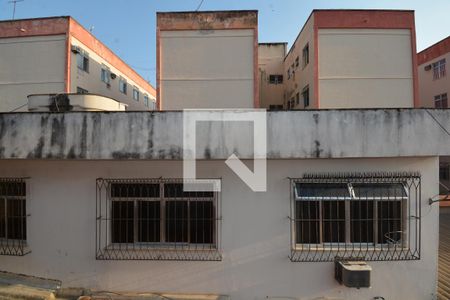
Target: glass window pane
column 201, row 222
column 307, row 215
column 135, row 190
column 2, row 218
column 372, row 190
column 389, row 221
column 122, row 230
column 333, row 216
column 149, row 225
column 16, row 219
column 175, row 190
column 329, row 190
column 361, row 221
column 12, row 189
column 177, row 221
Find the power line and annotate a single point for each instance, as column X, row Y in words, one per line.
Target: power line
column 14, row 2
column 200, row 5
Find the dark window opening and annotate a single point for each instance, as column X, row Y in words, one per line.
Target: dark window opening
column 275, row 79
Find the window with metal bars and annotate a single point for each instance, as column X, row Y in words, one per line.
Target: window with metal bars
column 439, row 70
column 370, row 217
column 13, row 215
column 156, row 219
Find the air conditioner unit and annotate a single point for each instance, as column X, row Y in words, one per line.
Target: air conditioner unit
column 353, row 274
column 113, row 76
column 427, row 68
column 75, row 49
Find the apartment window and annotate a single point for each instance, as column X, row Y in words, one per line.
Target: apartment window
column 289, row 73
column 305, row 55
column 146, row 100
column 80, row 90
column 297, row 62
column 441, row 101
column 275, row 107
column 136, row 94
column 275, row 79
column 297, row 99
column 444, row 172
column 13, row 215
column 123, row 85
column 156, row 219
column 439, row 69
column 367, row 216
column 83, row 60
column 106, row 75
column 152, row 105
column 305, row 96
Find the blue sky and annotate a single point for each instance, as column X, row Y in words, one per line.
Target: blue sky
column 128, row 26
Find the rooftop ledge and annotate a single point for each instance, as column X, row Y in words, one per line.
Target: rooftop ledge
column 290, row 135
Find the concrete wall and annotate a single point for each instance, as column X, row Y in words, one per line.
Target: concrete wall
column 290, row 135
column 365, row 68
column 255, row 234
column 430, row 87
column 207, row 69
column 93, row 84
column 303, row 76
column 271, row 62
column 30, row 65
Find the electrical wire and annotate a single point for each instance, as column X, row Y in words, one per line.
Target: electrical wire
column 440, row 125
column 19, row 107
column 200, row 5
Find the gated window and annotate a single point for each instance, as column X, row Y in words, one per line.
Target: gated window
column 305, row 96
column 441, row 101
column 275, row 79
column 156, row 219
column 374, row 217
column 305, row 55
column 13, row 226
column 439, row 69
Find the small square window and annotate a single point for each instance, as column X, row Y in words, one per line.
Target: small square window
column 305, row 96
column 136, row 94
column 305, row 55
column 441, row 101
column 83, row 61
column 106, row 74
column 275, row 79
column 123, row 85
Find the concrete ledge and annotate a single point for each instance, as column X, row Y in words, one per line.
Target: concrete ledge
column 290, row 135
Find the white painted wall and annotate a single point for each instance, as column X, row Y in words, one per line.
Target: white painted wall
column 30, row 65
column 207, row 69
column 365, row 68
column 93, row 84
column 255, row 233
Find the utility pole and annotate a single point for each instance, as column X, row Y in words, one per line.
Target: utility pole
column 14, row 2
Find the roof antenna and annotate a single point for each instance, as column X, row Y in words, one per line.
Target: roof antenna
column 14, row 2
column 91, row 29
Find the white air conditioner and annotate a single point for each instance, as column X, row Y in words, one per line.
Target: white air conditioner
column 354, row 274
column 113, row 76
column 427, row 68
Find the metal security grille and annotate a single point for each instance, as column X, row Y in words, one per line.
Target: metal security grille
column 155, row 219
column 13, row 217
column 371, row 216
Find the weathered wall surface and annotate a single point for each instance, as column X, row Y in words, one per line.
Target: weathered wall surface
column 365, row 68
column 30, row 65
column 158, row 135
column 255, row 233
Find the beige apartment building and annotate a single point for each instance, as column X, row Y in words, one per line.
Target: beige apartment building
column 434, row 89
column 352, row 59
column 57, row 55
column 207, row 59
column 271, row 70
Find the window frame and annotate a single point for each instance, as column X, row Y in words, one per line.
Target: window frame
column 306, row 100
column 15, row 246
column 82, row 59
column 136, row 93
column 193, row 248
column 439, row 69
column 123, row 85
column 441, row 101
column 105, row 74
column 305, row 56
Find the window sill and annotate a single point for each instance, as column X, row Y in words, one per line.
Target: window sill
column 159, row 252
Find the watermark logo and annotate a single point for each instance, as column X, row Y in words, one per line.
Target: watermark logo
column 256, row 179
